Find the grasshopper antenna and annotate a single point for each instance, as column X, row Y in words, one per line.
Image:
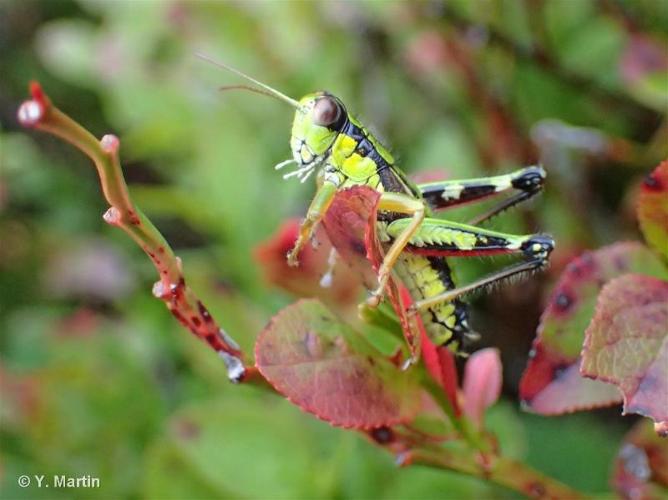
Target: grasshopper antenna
column 249, row 88
column 267, row 89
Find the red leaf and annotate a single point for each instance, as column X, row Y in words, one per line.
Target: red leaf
column 551, row 383
column 350, row 223
column 627, row 343
column 351, row 226
column 641, row 467
column 346, row 223
column 306, row 279
column 440, row 363
column 327, row 369
column 482, row 383
column 653, row 208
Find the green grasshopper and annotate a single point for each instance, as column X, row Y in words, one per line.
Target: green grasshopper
column 327, row 139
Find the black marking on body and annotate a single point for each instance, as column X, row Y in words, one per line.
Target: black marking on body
column 392, row 179
column 461, row 328
column 434, row 194
column 493, row 242
column 434, row 315
column 443, row 270
column 484, row 244
column 364, row 147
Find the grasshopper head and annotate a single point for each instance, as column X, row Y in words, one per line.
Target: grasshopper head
column 318, row 120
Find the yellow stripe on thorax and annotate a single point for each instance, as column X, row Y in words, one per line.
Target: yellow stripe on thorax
column 358, row 169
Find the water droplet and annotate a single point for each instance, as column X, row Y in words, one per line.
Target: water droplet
column 235, row 368
column 30, row 113
column 159, row 289
column 109, row 143
column 112, row 216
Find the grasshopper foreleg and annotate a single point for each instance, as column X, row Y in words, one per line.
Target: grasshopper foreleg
column 316, row 211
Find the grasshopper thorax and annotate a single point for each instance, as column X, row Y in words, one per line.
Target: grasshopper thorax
column 318, row 120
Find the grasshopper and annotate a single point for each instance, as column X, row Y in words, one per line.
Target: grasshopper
column 327, row 139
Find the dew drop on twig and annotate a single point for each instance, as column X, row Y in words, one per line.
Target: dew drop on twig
column 30, row 113
column 112, row 216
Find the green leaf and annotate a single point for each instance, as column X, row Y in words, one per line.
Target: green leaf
column 68, row 48
column 168, row 475
column 577, row 448
column 86, row 402
column 627, row 343
column 206, row 451
column 653, row 208
column 329, row 370
column 651, row 90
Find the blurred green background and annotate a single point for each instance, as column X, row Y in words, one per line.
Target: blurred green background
column 97, row 378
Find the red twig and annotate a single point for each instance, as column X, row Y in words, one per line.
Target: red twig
column 181, row 301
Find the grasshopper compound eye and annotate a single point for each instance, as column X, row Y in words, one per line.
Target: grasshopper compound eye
column 326, row 112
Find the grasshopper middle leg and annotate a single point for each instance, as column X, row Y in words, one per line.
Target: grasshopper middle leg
column 527, row 182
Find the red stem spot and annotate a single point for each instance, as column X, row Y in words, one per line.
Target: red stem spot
column 177, row 290
column 204, row 312
column 134, row 218
column 180, row 317
column 536, row 490
column 382, row 435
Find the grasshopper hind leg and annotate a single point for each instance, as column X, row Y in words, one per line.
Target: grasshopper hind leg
column 538, row 247
column 535, row 251
column 424, row 269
